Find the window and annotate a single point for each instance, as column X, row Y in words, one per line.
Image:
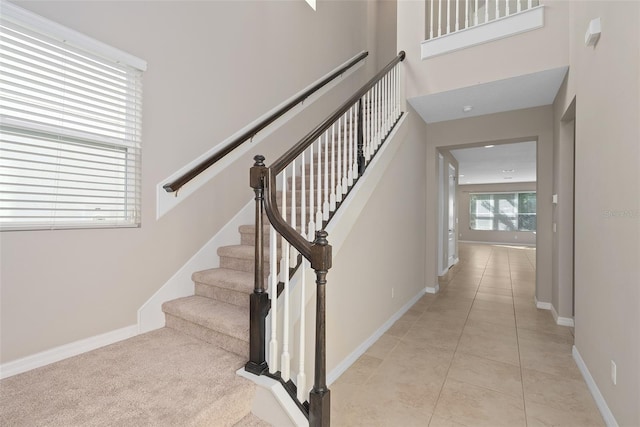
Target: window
column 503, row 211
column 69, row 128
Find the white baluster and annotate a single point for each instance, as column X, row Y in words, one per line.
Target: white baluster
column 518, row 6
column 332, row 196
column 506, row 5
column 319, row 187
column 486, row 10
column 529, row 4
column 303, row 197
column 339, row 164
column 312, row 223
column 284, row 217
column 366, row 124
column 497, row 9
column 345, row 158
column 293, row 253
column 448, row 16
column 350, row 175
column 439, row 18
column 273, row 289
column 475, row 14
column 466, row 13
column 301, row 382
column 285, row 359
column 457, row 14
column 325, row 205
column 431, row 18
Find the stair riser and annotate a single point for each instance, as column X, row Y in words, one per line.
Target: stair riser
column 241, row 264
column 234, row 345
column 221, row 294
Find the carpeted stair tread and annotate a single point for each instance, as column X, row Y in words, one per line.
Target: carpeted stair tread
column 251, row 420
column 239, row 281
column 227, row 319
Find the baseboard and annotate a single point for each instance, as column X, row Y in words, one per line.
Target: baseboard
column 362, row 348
column 542, row 305
column 477, row 242
column 606, row 413
column 432, row 289
column 562, row 321
column 150, row 315
column 65, row 351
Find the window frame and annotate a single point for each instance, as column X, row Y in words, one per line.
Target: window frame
column 496, row 216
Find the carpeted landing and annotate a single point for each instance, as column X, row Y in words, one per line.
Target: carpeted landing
column 161, row 378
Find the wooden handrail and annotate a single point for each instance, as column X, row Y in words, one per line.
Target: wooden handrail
column 249, row 134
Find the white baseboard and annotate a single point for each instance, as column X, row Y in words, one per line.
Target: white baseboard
column 432, row 289
column 150, row 315
column 65, row 351
column 478, row 242
column 606, row 413
column 362, row 348
column 562, row 321
column 542, row 305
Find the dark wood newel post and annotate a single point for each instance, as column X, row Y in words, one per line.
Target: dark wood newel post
column 259, row 299
column 361, row 159
column 319, row 398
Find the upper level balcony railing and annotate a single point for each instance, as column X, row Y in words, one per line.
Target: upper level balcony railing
column 455, row 24
column 448, row 16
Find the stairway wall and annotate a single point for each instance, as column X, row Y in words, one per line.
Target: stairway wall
column 213, row 67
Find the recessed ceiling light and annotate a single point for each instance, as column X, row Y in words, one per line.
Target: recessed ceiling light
column 508, row 170
column 489, row 146
column 461, row 175
column 467, row 108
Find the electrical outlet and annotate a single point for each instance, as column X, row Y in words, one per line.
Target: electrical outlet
column 614, row 373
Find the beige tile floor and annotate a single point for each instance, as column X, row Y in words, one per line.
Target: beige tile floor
column 479, row 353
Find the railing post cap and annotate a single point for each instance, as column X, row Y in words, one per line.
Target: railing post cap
column 259, row 160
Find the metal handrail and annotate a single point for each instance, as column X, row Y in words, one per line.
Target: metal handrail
column 178, row 183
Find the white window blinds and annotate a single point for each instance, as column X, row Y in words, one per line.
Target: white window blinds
column 69, row 128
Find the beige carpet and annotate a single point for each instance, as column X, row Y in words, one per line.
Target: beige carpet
column 162, row 378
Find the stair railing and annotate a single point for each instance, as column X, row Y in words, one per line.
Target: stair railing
column 450, row 16
column 248, row 135
column 300, row 192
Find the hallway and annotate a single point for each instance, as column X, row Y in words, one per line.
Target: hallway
column 479, row 353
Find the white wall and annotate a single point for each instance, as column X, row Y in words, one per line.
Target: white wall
column 605, row 82
column 213, row 67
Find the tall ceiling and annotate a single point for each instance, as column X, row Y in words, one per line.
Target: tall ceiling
column 497, row 164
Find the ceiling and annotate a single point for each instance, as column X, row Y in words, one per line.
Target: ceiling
column 498, row 164
column 530, row 90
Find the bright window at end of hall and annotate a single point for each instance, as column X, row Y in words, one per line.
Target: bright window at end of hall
column 70, row 120
column 503, row 211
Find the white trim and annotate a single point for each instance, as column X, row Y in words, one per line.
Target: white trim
column 65, row 351
column 506, row 26
column 150, row 315
column 542, row 305
column 562, row 321
column 42, row 25
column 606, row 413
column 280, row 395
column 432, row 289
column 167, row 201
column 362, row 348
column 477, row 242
